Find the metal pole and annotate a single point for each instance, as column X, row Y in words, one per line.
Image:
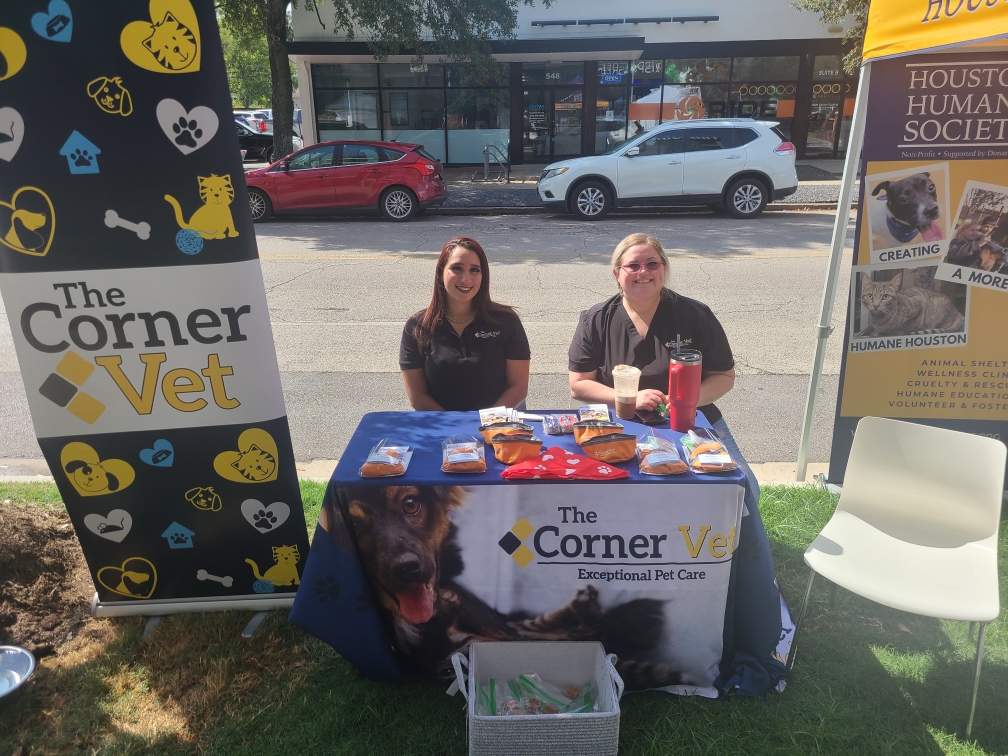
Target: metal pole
column 801, row 615
column 976, row 677
column 833, row 268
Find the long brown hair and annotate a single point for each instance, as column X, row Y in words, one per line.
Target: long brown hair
column 483, row 306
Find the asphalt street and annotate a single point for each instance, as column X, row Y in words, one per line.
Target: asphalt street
column 339, row 291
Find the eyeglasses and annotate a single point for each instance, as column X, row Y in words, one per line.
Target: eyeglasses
column 651, row 266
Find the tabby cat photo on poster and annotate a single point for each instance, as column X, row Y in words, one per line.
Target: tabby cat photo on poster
column 906, row 307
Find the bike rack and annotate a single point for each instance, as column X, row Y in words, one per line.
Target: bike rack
column 503, row 166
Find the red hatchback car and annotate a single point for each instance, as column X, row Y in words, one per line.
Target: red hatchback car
column 394, row 178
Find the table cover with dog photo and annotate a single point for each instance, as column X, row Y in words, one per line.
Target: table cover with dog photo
column 404, row 571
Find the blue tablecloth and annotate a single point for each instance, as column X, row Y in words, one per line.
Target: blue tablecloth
column 337, row 603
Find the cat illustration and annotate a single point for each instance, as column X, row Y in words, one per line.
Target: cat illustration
column 914, row 310
column 284, row 572
column 213, row 220
column 255, row 464
column 171, row 43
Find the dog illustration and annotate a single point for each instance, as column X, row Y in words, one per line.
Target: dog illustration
column 214, row 219
column 284, row 572
column 91, row 477
column 134, row 577
column 204, row 498
column 111, row 95
column 912, row 209
column 23, row 232
column 408, row 547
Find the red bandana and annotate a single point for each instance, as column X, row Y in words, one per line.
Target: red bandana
column 559, row 464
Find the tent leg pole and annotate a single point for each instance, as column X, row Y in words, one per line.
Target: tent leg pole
column 840, row 225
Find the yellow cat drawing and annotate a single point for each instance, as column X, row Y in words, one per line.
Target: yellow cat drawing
column 284, row 572
column 213, row 220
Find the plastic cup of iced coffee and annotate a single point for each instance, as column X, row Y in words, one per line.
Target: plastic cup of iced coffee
column 626, row 378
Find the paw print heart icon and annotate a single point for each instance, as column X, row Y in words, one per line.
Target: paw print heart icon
column 262, row 518
column 187, row 130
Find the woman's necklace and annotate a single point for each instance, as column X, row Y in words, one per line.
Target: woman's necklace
column 460, row 322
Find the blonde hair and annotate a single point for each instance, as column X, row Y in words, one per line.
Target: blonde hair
column 634, row 240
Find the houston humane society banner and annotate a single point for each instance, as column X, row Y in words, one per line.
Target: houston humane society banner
column 926, row 338
column 130, row 276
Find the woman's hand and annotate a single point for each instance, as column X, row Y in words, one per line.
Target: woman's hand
column 649, row 399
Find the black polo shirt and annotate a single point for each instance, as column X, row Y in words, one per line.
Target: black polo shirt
column 606, row 337
column 466, row 372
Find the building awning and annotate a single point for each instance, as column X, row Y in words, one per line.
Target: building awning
column 525, row 50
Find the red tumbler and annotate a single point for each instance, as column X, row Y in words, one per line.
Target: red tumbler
column 685, row 371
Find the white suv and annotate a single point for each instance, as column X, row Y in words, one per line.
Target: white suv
column 734, row 165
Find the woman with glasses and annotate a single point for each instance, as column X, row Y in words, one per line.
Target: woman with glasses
column 464, row 352
column 643, row 325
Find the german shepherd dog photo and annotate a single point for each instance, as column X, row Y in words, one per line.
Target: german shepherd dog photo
column 407, row 544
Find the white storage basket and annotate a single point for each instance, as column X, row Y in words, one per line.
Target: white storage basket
column 561, row 663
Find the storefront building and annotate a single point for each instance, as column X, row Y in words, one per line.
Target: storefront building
column 576, row 81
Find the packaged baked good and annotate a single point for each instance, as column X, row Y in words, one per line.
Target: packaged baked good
column 386, row 459
column 613, row 447
column 557, row 425
column 512, row 449
column 509, row 428
column 463, row 454
column 594, row 412
column 659, row 456
column 586, row 429
column 706, row 453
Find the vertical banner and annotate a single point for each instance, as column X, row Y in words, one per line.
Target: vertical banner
column 130, row 275
column 926, row 337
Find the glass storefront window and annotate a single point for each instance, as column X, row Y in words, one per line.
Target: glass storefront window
column 345, row 75
column 612, row 72
column 765, row 69
column 347, row 114
column 694, row 70
column 610, row 117
column 566, row 74
column 827, row 67
column 477, row 117
column 415, row 116
column 469, row 75
column 772, row 101
column 645, row 95
column 408, row 75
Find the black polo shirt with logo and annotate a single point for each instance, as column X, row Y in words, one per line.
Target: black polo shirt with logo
column 606, row 337
column 466, row 372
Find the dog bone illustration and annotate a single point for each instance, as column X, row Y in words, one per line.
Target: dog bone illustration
column 141, row 229
column 225, row 581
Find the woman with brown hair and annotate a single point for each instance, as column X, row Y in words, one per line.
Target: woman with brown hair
column 465, row 351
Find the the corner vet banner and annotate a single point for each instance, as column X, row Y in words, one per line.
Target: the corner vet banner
column 926, row 338
column 905, row 27
column 129, row 273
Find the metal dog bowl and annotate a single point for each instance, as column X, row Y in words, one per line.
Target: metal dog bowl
column 16, row 666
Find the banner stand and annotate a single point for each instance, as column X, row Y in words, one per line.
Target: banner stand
column 180, row 606
column 840, row 226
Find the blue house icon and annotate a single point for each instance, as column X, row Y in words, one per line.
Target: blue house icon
column 81, row 154
column 179, row 536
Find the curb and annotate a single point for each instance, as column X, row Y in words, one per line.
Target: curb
column 538, row 210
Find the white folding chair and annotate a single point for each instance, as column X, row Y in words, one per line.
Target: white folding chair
column 916, row 527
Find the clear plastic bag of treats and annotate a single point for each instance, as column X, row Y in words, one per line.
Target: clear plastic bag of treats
column 659, row 456
column 541, row 697
column 463, row 454
column 706, row 452
column 386, row 459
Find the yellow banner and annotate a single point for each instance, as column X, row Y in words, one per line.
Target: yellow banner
column 902, row 27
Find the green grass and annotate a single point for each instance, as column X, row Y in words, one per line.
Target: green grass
column 861, row 685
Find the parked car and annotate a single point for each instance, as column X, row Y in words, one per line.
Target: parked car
column 393, row 178
column 733, row 165
column 256, row 147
